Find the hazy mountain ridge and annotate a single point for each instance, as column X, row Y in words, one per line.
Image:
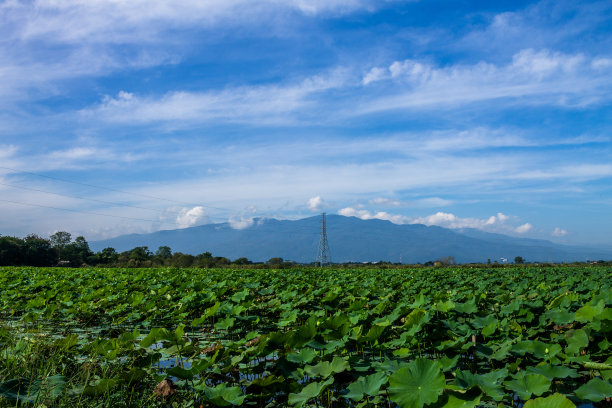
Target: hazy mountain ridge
column 351, row 239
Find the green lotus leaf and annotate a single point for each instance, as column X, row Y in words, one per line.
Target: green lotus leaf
column 240, row 296
column 588, row 312
column 550, row 371
column 369, row 385
column 417, row 384
column 225, row 324
column 552, row 401
column 304, row 356
column 502, row 351
column 449, row 363
column 480, row 322
column 415, row 320
column 156, row 335
column 456, row 399
column 526, row 385
column 373, row 334
column 560, row 316
column 562, row 300
column 22, row 390
column 595, row 390
column 444, row 306
column 468, row 307
column 224, row 396
column 336, row 322
column 537, row 348
column 489, row 383
column 576, row 340
column 309, row 392
column 325, row 368
column 102, row 387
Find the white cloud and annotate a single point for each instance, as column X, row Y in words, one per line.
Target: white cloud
column 494, row 223
column 240, row 223
column 385, row 202
column 265, row 104
column 522, row 229
column 106, row 21
column 428, row 202
column 375, row 74
column 448, row 220
column 190, row 217
column 537, row 77
column 367, row 215
column 315, row 203
column 559, row 232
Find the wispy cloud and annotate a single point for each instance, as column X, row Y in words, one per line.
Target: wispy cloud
column 140, row 20
column 535, row 76
column 559, row 232
column 266, row 104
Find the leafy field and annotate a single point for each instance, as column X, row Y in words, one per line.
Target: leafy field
column 411, row 337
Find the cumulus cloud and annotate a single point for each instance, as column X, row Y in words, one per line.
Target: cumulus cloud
column 494, row 223
column 367, row 215
column 315, row 203
column 190, row 217
column 449, row 220
column 559, row 232
column 522, row 229
column 240, row 223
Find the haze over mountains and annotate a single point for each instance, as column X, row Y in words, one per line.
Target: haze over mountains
column 351, row 239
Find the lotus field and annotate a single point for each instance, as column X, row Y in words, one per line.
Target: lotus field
column 523, row 336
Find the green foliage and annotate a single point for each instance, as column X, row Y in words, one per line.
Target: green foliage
column 417, row 384
column 467, row 336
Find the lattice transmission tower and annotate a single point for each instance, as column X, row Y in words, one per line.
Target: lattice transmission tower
column 323, row 255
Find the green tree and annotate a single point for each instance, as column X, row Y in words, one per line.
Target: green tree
column 59, row 241
column 182, row 260
column 162, row 255
column 242, row 261
column 77, row 252
column 108, row 256
column 205, row 260
column 519, row 260
column 11, row 251
column 38, row 251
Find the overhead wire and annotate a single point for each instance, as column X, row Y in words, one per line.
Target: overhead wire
column 107, row 202
column 80, row 198
column 78, row 211
column 112, row 189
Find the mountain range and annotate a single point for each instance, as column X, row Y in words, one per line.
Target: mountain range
column 352, row 240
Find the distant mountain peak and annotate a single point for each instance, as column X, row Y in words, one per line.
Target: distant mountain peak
column 350, row 239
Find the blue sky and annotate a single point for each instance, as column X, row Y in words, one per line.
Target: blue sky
column 120, row 117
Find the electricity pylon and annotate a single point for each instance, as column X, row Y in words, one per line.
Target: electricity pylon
column 323, row 256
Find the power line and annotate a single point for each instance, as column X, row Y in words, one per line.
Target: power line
column 78, row 211
column 112, row 189
column 80, row 198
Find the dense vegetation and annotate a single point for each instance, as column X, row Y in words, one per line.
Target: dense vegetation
column 61, row 250
column 435, row 337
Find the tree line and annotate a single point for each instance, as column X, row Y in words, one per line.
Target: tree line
column 61, row 250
